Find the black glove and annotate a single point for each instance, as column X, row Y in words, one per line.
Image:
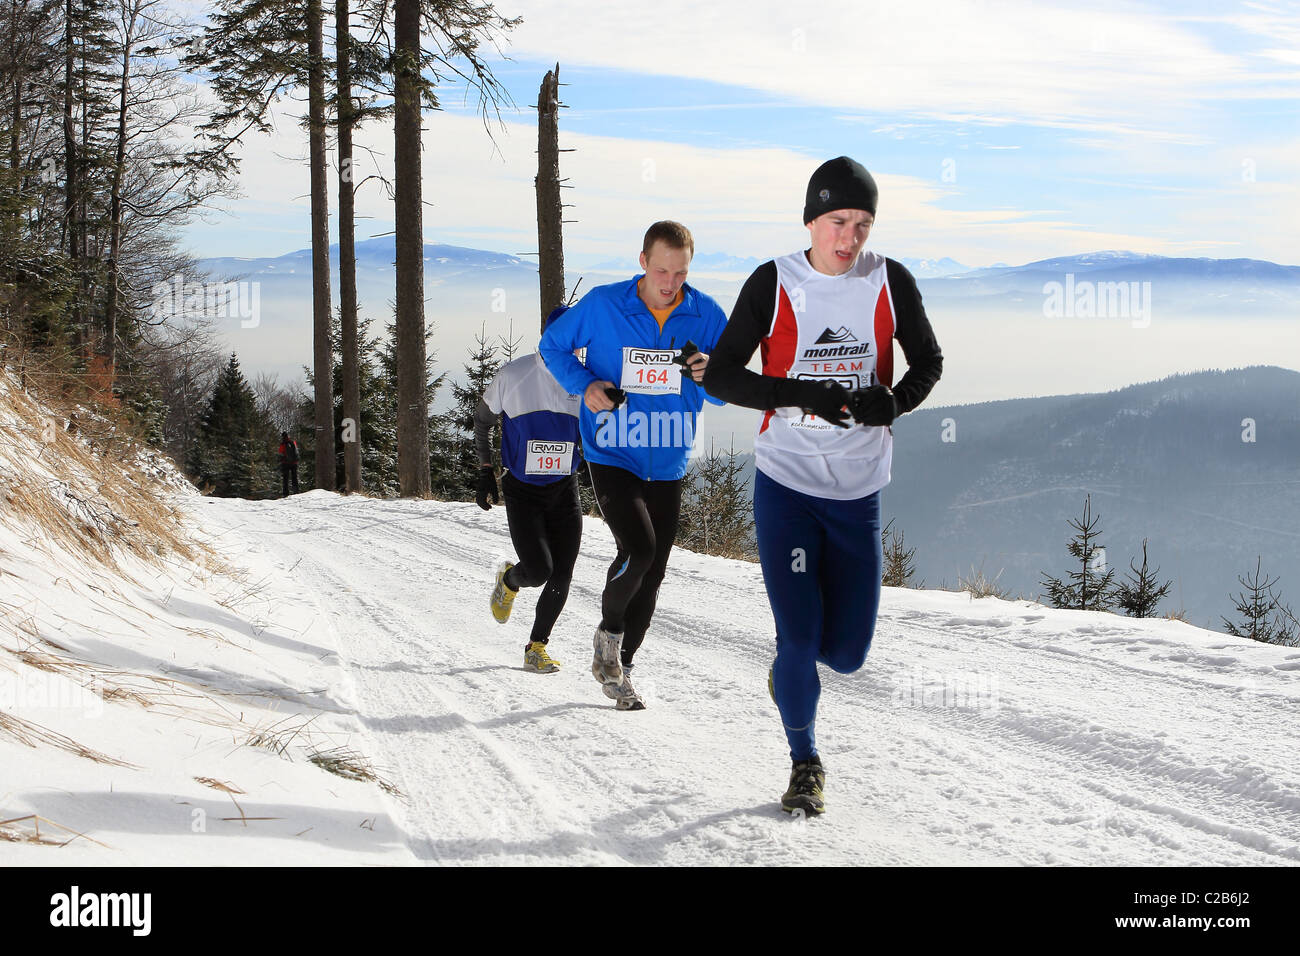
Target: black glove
column 873, row 406
column 616, row 395
column 824, row 398
column 688, row 350
column 487, row 488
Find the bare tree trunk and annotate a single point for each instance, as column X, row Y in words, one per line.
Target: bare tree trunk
column 70, row 161
column 412, row 408
column 320, row 251
column 86, row 293
column 17, row 53
column 130, row 12
column 347, row 255
column 550, row 228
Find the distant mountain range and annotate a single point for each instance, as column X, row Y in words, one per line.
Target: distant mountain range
column 445, row 262
column 991, row 487
column 1204, row 465
column 721, row 263
column 441, row 261
column 1164, row 285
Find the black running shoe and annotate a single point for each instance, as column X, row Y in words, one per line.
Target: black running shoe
column 805, row 794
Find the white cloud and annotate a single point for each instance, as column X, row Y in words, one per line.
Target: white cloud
column 746, row 202
column 1013, row 60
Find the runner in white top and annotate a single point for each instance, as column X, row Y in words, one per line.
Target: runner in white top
column 825, row 320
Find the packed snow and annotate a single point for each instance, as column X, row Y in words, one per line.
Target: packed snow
column 980, row 731
column 170, row 713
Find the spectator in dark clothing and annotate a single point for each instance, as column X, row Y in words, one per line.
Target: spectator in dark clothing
column 288, row 464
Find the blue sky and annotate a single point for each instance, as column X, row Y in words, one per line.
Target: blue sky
column 999, row 131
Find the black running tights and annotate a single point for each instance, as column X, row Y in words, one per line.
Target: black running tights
column 546, row 528
column 643, row 517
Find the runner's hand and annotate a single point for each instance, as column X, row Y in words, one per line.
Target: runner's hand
column 697, row 363
column 874, row 406
column 595, row 398
column 824, row 398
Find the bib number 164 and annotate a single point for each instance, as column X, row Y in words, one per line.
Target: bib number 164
column 652, row 376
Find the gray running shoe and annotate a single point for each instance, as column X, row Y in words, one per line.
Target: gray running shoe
column 623, row 694
column 605, row 664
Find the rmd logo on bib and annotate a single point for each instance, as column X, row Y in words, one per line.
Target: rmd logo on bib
column 102, row 909
column 646, row 357
column 548, row 447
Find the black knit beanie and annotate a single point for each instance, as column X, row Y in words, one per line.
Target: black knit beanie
column 839, row 183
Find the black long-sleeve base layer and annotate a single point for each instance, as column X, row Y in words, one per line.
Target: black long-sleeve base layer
column 751, row 322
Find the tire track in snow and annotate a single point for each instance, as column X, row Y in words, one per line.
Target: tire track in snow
column 541, row 769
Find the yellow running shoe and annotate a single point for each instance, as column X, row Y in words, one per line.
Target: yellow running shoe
column 503, row 596
column 536, row 659
column 807, row 780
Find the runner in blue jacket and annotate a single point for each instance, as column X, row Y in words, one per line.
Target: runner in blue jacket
column 638, row 425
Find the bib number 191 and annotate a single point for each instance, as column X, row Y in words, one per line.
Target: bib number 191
column 549, row 458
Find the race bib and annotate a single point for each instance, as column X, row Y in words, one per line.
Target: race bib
column 549, row 457
column 651, row 372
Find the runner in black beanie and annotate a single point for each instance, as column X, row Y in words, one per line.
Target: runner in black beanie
column 825, row 320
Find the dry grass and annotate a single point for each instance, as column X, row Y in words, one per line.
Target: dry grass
column 243, row 592
column 108, row 683
column 102, row 504
column 979, row 585
column 341, row 761
column 184, row 699
column 31, row 735
column 353, row 766
column 13, row 831
column 277, row 737
column 218, row 785
column 122, row 694
column 73, row 485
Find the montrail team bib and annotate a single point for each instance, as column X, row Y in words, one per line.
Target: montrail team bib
column 827, row 328
column 650, row 372
column 549, row 457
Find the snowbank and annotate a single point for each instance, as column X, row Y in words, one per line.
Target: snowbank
column 156, row 706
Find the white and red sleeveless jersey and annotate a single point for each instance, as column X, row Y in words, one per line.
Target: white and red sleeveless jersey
column 808, row 325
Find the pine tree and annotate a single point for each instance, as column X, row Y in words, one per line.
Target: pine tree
column 377, row 398
column 187, row 380
column 231, row 453
column 1264, row 617
column 1090, row 587
column 256, row 51
column 374, row 430
column 900, row 563
column 717, row 515
column 89, row 47
column 459, row 482
column 1142, row 592
column 441, row 441
column 37, row 280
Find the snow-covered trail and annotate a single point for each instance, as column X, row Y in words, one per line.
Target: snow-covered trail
column 980, row 732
